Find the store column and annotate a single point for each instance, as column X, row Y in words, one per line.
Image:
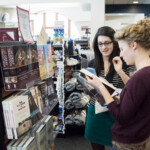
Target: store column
column 97, row 16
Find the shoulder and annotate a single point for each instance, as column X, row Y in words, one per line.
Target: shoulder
column 91, row 63
column 141, row 76
column 143, row 73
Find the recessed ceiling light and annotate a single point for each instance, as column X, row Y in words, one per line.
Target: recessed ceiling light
column 135, row 2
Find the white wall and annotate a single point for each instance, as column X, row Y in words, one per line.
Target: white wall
column 97, row 16
column 79, row 24
column 117, row 21
column 12, row 14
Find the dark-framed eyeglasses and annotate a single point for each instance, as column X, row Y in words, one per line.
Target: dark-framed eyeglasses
column 105, row 44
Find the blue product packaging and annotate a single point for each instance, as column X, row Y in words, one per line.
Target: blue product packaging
column 92, row 70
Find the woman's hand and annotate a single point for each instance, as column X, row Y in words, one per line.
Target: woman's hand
column 94, row 81
column 117, row 62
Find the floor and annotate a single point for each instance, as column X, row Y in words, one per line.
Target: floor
column 73, row 140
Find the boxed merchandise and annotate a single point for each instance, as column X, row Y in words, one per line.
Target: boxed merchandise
column 9, row 34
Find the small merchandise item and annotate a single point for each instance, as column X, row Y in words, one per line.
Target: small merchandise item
column 92, row 70
column 72, row 61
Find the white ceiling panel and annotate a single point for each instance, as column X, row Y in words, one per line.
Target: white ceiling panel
column 126, row 1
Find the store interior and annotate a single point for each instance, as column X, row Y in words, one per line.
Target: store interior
column 77, row 22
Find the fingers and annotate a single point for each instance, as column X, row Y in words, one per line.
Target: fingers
column 91, row 78
column 88, row 78
column 116, row 60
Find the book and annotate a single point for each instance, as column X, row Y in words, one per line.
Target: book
column 108, row 85
column 20, row 114
column 39, row 132
column 5, row 68
column 48, row 121
column 93, row 91
column 41, row 60
column 41, row 136
column 37, row 97
column 9, row 145
column 51, row 93
column 7, row 120
column 35, row 114
column 47, row 52
column 14, row 146
column 35, row 127
column 45, row 103
column 19, row 147
column 9, row 34
column 30, row 144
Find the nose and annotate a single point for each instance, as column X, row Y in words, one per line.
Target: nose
column 103, row 45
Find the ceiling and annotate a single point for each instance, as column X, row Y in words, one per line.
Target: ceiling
column 37, row 5
column 126, row 1
column 19, row 2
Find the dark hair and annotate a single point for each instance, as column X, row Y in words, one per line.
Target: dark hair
column 98, row 61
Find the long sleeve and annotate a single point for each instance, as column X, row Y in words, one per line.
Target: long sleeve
column 131, row 99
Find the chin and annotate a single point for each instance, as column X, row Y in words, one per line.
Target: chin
column 106, row 55
column 129, row 63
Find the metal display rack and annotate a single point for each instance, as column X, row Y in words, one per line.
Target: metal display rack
column 59, row 53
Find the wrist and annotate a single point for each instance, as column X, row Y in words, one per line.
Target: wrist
column 120, row 72
column 101, row 86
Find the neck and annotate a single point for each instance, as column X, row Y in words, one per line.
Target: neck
column 106, row 59
column 142, row 60
column 106, row 65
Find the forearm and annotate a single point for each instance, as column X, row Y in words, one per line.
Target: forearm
column 123, row 76
column 108, row 98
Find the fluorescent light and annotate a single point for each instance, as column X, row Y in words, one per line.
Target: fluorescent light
column 135, row 2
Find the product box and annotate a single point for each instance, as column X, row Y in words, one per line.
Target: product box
column 9, row 34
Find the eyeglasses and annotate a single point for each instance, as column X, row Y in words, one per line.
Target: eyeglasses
column 105, row 44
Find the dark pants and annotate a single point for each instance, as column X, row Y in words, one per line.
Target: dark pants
column 97, row 146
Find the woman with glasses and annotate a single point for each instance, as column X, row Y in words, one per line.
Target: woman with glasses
column 98, row 126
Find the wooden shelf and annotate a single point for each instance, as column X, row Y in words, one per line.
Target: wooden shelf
column 6, row 93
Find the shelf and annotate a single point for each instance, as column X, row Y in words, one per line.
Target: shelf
column 52, row 107
column 6, row 93
column 47, row 76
